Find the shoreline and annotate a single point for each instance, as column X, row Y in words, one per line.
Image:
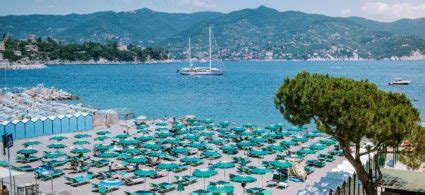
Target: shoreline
column 47, row 64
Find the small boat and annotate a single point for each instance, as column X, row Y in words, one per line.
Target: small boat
column 399, row 81
column 199, row 71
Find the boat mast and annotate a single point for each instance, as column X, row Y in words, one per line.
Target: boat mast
column 190, row 55
column 209, row 32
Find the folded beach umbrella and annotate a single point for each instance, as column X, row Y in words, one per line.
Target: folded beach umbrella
column 31, row 143
column 103, row 132
column 58, row 138
column 56, row 146
column 82, row 135
column 204, row 173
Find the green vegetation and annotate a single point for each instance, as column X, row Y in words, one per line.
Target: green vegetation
column 244, row 34
column 355, row 113
column 50, row 49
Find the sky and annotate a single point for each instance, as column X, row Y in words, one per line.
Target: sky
column 381, row 10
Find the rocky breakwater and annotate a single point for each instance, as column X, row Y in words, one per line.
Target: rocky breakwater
column 41, row 92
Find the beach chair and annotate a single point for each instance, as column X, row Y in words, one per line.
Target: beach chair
column 77, row 181
column 309, row 169
column 25, row 168
column 100, row 163
column 330, row 158
column 4, row 163
column 322, row 157
column 140, row 192
column 27, row 159
column 133, row 180
column 56, row 163
column 165, row 187
column 181, row 168
column 56, row 173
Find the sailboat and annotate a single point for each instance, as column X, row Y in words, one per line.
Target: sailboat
column 198, row 71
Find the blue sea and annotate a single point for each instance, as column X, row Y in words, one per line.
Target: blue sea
column 244, row 94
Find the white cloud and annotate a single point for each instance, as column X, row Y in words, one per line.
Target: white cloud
column 195, row 4
column 346, row 12
column 204, row 3
column 388, row 11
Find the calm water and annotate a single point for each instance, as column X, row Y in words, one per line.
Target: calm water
column 243, row 94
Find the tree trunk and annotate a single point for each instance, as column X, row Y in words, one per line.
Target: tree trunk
column 363, row 176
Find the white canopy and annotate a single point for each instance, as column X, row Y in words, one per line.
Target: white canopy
column 4, row 172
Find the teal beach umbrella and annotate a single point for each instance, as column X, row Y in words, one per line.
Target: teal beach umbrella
column 204, row 173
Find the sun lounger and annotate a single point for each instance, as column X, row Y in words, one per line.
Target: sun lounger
column 56, row 163
column 56, row 173
column 4, row 163
column 77, row 181
column 23, row 159
column 25, row 168
column 282, row 185
column 272, row 183
column 163, row 187
column 133, row 180
column 140, row 192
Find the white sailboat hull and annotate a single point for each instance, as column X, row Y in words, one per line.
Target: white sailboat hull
column 198, row 71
